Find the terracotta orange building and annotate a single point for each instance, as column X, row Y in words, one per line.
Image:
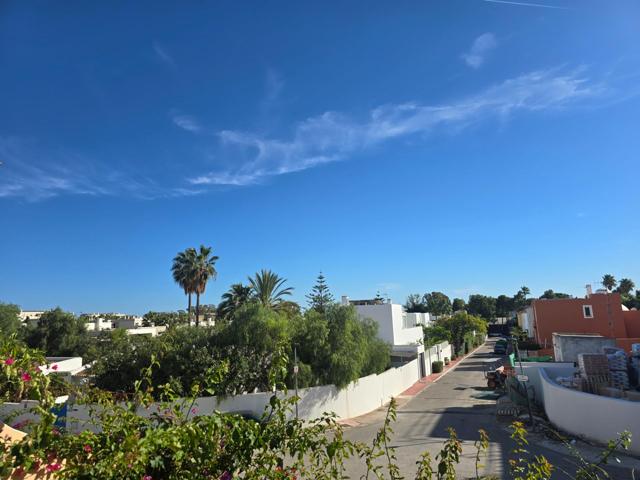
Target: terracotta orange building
column 598, row 313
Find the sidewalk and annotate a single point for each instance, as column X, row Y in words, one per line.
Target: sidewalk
column 424, row 382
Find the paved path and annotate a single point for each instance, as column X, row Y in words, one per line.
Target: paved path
column 460, row 400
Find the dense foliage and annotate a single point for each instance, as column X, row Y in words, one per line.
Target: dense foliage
column 436, row 303
column 61, row 334
column 168, row 319
column 462, row 330
column 334, row 347
column 9, row 319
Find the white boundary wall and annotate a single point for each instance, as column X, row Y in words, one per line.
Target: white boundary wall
column 359, row 397
column 594, row 417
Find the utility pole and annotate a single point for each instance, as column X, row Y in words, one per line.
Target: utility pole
column 526, row 387
column 295, row 375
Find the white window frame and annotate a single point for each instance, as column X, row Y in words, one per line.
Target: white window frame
column 584, row 311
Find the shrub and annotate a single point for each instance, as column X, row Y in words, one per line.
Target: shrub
column 447, row 361
column 437, row 366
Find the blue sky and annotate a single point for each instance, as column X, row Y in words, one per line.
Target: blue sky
column 463, row 146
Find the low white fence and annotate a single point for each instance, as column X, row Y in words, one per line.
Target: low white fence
column 359, row 397
column 593, row 417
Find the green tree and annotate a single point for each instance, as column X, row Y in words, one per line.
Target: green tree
column 437, row 303
column 434, row 334
column 9, row 318
column 625, row 286
column 482, row 306
column 60, row 334
column 168, row 319
column 234, row 298
column 525, row 291
column 415, row 304
column 504, row 306
column 550, row 295
column 458, row 305
column 268, row 288
column 181, row 269
column 460, row 325
column 320, row 297
column 609, row 282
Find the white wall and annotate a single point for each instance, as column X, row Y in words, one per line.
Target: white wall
column 359, row 397
column 390, row 319
column 64, row 364
column 553, row 369
column 591, row 416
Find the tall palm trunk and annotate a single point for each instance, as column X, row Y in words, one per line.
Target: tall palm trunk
column 197, row 309
column 189, row 309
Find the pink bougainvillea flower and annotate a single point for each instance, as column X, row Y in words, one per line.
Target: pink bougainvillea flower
column 53, row 467
column 9, row 361
column 87, row 448
column 147, row 477
column 25, row 377
column 55, row 432
column 194, row 410
column 54, row 367
column 225, row 476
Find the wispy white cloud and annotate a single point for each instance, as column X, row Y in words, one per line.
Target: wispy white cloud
column 333, row 136
column 163, row 55
column 273, row 87
column 187, row 122
column 479, row 50
column 33, row 174
column 527, row 4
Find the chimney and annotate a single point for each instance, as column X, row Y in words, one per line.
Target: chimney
column 344, row 300
column 589, row 290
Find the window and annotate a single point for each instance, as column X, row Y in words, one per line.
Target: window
column 587, row 310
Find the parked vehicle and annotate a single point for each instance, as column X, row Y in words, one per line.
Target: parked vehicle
column 500, row 348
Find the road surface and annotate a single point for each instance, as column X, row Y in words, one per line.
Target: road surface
column 459, row 399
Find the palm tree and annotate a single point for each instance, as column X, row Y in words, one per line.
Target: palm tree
column 181, row 269
column 234, row 298
column 202, row 270
column 609, row 282
column 625, row 286
column 268, row 288
column 525, row 291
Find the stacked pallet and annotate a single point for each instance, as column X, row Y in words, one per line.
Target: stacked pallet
column 594, row 372
column 618, row 368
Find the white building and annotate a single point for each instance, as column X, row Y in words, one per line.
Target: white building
column 402, row 330
column 98, row 322
column 30, row 317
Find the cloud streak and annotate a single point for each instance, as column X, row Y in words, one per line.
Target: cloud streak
column 333, row 136
column 33, row 174
column 527, row 4
column 480, row 49
column 187, row 122
column 163, row 55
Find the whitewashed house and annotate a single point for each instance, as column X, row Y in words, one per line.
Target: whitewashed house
column 402, row 330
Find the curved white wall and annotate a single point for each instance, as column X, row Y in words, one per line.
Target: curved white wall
column 591, row 416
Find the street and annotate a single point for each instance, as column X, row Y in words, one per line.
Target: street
column 459, row 400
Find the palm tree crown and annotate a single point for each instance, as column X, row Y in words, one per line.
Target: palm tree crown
column 234, row 298
column 609, row 281
column 192, row 269
column 181, row 270
column 268, row 288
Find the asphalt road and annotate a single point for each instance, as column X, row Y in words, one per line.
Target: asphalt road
column 459, row 400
